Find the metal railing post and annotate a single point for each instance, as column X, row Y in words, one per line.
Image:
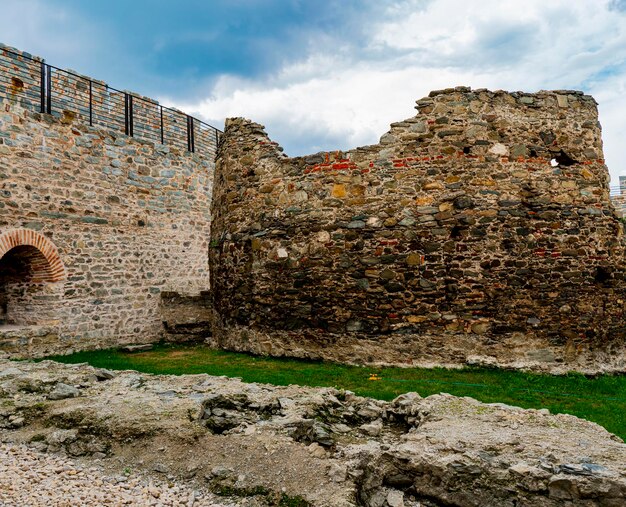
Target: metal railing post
column 49, row 90
column 46, row 88
column 42, row 87
column 190, row 135
column 193, row 134
column 188, row 138
column 162, row 133
column 128, row 114
column 90, row 103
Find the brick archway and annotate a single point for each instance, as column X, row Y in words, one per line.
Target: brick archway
column 48, row 265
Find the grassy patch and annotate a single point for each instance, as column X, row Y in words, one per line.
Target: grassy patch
column 600, row 399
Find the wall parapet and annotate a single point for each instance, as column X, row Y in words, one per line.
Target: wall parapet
column 36, row 86
column 482, row 226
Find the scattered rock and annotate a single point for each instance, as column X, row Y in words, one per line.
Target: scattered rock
column 317, row 450
column 395, row 498
column 309, row 431
column 9, row 372
column 373, row 428
column 35, row 479
column 62, row 391
column 221, row 472
column 338, row 472
column 102, row 374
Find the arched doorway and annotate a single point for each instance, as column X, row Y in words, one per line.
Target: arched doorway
column 30, row 272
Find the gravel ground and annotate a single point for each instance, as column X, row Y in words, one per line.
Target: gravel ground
column 29, row 478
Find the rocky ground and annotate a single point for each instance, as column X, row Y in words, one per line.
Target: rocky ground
column 32, row 478
column 78, row 435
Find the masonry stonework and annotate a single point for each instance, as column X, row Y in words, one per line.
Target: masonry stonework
column 94, row 227
column 480, row 230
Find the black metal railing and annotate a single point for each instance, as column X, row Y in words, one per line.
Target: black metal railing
column 44, row 88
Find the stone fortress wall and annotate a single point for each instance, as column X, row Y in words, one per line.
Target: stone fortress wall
column 480, row 230
column 99, row 231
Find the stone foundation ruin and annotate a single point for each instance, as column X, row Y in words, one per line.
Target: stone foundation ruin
column 324, row 446
column 479, row 230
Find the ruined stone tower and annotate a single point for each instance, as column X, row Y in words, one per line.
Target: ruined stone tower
column 479, row 230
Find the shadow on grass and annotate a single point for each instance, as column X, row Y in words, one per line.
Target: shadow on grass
column 600, row 399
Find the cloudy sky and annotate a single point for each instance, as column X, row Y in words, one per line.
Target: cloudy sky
column 332, row 74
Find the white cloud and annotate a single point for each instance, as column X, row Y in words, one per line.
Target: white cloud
column 347, row 108
column 611, row 97
column 347, row 97
column 349, row 85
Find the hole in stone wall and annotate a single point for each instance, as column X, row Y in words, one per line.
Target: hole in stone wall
column 456, row 232
column 467, row 150
column 564, row 159
column 602, row 274
column 17, row 83
column 24, row 275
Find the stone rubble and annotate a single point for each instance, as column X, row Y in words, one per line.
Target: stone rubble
column 30, row 478
column 322, row 447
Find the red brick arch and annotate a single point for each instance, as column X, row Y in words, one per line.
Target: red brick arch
column 49, row 265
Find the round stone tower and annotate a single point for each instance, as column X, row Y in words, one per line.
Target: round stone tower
column 479, row 230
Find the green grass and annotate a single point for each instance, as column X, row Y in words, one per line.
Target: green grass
column 600, row 399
